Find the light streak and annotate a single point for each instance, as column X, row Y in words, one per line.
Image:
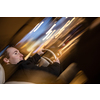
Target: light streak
column 46, row 36
column 63, row 28
column 34, row 28
column 50, row 34
column 50, row 29
column 38, row 26
column 73, row 40
column 64, row 40
column 33, row 45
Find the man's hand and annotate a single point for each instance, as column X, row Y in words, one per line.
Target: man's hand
column 40, row 52
column 56, row 60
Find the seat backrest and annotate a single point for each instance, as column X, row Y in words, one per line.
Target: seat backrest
column 80, row 78
column 2, row 75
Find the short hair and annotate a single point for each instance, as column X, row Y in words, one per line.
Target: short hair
column 5, row 55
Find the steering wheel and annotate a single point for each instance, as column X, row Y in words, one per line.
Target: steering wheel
column 55, row 57
column 45, row 61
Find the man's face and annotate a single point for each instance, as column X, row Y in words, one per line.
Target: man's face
column 14, row 55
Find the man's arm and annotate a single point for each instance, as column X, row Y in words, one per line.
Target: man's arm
column 34, row 59
column 53, row 69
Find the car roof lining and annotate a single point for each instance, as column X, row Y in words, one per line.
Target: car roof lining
column 10, row 27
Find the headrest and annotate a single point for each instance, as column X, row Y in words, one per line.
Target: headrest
column 2, row 75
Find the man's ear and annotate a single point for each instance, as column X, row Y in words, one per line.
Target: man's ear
column 6, row 60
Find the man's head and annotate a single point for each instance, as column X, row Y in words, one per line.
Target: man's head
column 12, row 56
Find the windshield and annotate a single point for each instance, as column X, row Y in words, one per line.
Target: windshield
column 55, row 33
column 48, row 31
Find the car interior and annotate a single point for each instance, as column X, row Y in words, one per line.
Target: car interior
column 74, row 40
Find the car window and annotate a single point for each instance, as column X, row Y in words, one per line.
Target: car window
column 53, row 33
column 48, row 32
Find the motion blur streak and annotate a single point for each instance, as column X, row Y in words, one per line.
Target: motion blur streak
column 50, row 29
column 71, row 43
column 38, row 26
column 64, row 40
column 50, row 34
column 63, row 28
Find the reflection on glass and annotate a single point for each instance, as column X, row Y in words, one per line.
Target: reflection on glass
column 50, row 32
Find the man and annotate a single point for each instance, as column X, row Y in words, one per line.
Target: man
column 28, row 71
column 12, row 56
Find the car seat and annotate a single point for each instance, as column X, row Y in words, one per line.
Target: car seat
column 69, row 75
column 2, row 75
column 73, row 75
column 2, row 78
